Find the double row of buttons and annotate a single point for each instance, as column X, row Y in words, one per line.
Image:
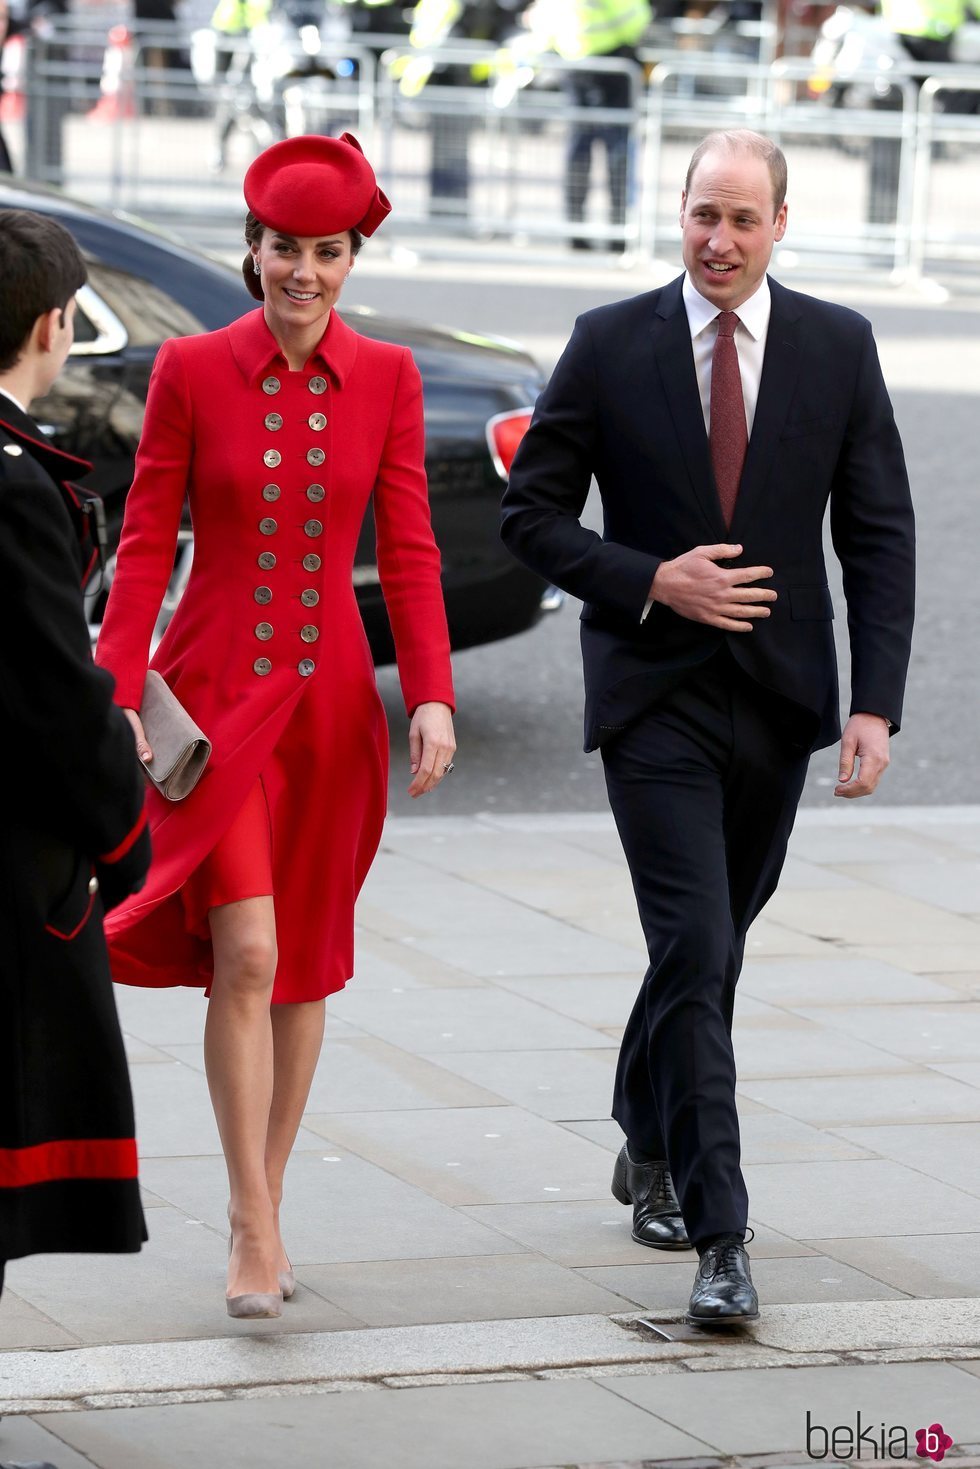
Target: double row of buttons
column 313, row 492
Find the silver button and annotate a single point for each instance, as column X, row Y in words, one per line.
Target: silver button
column 273, row 422
column 271, row 492
column 267, row 560
column 312, row 562
column 317, row 421
column 268, row 526
column 309, row 633
column 271, row 385
column 317, row 385
column 272, row 459
column 93, row 886
column 263, row 631
column 263, row 595
column 314, row 527
column 306, row 667
column 309, row 598
column 14, row 450
column 262, row 666
column 315, row 457
column 315, row 493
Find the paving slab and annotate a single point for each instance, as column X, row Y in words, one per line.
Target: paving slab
column 556, row 1084
column 766, row 1412
column 337, row 1207
column 511, row 1425
column 929, row 1265
column 786, row 1280
column 811, row 1200
column 474, row 1155
column 805, row 983
column 949, row 1152
column 429, row 1022
column 836, row 1101
column 923, row 1032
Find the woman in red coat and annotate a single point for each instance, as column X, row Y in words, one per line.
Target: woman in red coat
column 279, row 429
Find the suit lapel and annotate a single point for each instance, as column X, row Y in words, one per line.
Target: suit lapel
column 675, row 360
column 780, row 370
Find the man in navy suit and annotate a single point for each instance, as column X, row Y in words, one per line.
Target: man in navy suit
column 719, row 415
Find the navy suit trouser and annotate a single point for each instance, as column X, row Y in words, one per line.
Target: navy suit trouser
column 704, row 787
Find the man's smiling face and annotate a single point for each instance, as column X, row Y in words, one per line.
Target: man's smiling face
column 729, row 227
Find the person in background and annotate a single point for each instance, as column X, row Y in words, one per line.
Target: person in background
column 73, row 840
column 578, row 30
column 279, row 429
column 720, row 415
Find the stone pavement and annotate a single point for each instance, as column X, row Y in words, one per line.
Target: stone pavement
column 470, row 1297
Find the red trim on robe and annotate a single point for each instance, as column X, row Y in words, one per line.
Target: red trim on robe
column 118, row 853
column 70, row 1158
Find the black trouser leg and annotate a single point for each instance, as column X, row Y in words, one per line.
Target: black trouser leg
column 704, row 789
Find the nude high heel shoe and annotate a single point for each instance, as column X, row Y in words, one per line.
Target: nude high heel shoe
column 287, row 1283
column 256, row 1305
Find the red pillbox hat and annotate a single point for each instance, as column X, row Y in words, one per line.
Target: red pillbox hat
column 315, row 186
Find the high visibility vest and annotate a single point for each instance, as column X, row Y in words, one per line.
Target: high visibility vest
column 580, row 28
column 934, row 20
column 237, row 17
column 432, row 20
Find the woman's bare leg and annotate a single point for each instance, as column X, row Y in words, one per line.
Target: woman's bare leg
column 238, row 1056
column 297, row 1033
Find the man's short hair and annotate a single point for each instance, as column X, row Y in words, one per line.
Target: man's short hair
column 41, row 268
column 754, row 145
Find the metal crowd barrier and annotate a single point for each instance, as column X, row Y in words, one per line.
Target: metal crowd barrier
column 129, row 124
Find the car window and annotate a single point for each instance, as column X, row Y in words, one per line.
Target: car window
column 148, row 315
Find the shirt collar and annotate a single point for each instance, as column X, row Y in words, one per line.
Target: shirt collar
column 6, row 393
column 753, row 313
column 256, row 350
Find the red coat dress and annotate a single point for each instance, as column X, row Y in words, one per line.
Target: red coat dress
column 266, row 649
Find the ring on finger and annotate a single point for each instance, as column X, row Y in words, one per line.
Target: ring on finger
column 448, row 769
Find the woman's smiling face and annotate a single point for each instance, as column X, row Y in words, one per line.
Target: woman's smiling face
column 302, row 277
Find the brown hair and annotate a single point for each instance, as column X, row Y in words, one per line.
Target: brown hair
column 41, row 268
column 741, row 140
column 254, row 230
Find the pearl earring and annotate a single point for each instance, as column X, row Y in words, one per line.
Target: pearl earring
column 255, row 267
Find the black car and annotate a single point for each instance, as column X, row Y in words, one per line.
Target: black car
column 144, row 287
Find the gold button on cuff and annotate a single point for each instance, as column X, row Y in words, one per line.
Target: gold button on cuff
column 309, row 598
column 271, row 492
column 317, row 385
column 272, row 459
column 315, row 457
column 315, row 493
column 268, row 526
column 263, row 595
column 314, row 528
column 309, row 634
column 317, row 421
column 271, row 385
column 306, row 667
column 267, row 560
column 312, row 562
column 263, row 631
column 262, row 666
column 273, row 422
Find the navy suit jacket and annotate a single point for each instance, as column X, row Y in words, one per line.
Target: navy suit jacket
column 623, row 405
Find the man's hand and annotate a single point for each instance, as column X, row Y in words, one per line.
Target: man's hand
column 865, row 740
column 695, row 587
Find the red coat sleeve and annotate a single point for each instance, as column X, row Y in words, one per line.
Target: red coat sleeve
column 408, row 558
column 145, row 559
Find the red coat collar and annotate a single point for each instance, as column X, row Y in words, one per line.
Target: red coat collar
column 20, row 427
column 255, row 349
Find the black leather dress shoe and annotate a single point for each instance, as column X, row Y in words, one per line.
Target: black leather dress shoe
column 657, row 1220
column 723, row 1293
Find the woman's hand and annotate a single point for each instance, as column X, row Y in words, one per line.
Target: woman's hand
column 142, row 744
column 431, row 746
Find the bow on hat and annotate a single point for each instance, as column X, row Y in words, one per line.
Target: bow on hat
column 315, row 186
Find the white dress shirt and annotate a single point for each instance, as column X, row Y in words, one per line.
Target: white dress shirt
column 750, row 343
column 750, row 346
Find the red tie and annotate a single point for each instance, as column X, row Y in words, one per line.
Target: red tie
column 729, row 436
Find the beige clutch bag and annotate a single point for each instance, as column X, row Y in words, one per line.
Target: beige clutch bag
column 180, row 748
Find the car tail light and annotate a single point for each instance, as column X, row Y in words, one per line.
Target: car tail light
column 504, row 434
